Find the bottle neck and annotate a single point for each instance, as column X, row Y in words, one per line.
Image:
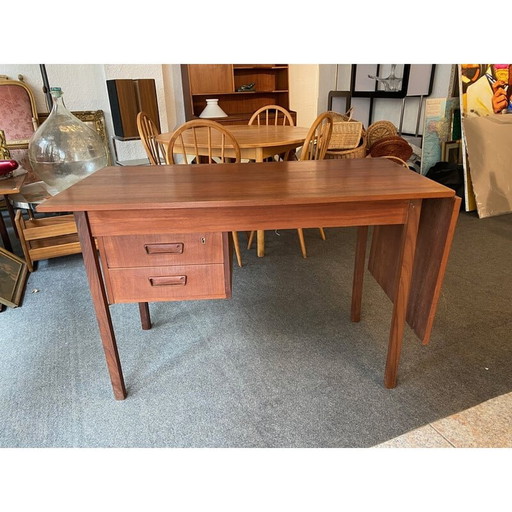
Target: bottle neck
column 58, row 103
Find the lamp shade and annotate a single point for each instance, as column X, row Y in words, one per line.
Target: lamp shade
column 212, row 109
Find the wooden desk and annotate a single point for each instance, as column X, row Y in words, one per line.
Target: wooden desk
column 175, row 219
column 256, row 143
column 8, row 187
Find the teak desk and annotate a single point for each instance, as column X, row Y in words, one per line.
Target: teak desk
column 162, row 233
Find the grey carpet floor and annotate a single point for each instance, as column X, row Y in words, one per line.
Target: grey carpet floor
column 278, row 365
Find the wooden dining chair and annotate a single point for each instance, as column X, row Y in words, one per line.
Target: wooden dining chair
column 318, row 137
column 266, row 116
column 314, row 148
column 148, row 131
column 277, row 116
column 193, row 139
column 272, row 114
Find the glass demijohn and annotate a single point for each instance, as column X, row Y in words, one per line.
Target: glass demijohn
column 64, row 149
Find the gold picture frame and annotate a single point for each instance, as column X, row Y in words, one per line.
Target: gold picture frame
column 13, row 277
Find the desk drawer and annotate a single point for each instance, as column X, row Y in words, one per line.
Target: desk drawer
column 165, row 249
column 177, row 282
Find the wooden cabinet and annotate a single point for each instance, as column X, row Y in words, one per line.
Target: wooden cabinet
column 222, row 81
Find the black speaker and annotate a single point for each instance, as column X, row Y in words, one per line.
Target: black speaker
column 129, row 97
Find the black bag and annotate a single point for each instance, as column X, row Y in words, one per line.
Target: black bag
column 450, row 175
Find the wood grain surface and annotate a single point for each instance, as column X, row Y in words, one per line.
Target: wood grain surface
column 246, row 184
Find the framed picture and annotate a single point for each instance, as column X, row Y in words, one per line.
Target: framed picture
column 13, row 277
column 380, row 80
column 451, row 152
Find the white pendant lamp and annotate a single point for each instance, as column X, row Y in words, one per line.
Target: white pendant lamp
column 212, row 109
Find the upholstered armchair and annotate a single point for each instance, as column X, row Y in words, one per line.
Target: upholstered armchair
column 18, row 119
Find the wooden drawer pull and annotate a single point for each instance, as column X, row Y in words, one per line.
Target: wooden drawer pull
column 168, row 281
column 164, row 248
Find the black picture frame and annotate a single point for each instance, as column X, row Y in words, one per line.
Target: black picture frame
column 357, row 70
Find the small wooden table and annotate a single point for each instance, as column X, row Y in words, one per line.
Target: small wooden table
column 8, row 187
column 162, row 233
column 256, row 143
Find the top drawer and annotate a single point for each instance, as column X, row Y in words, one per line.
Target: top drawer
column 166, row 249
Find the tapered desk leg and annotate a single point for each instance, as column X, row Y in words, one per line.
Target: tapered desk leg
column 145, row 318
column 99, row 298
column 403, row 282
column 357, row 284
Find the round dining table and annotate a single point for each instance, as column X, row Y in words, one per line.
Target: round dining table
column 257, row 142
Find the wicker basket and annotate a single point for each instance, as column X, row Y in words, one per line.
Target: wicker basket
column 391, row 146
column 359, row 152
column 379, row 130
column 346, row 132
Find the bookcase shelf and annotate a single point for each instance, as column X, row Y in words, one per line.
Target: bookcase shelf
column 222, row 81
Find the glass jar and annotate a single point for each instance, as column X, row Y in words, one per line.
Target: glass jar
column 64, row 150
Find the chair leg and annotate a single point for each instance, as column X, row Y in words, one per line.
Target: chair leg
column 251, row 238
column 300, row 232
column 237, row 248
column 322, row 233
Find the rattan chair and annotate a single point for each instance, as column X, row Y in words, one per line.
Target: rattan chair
column 193, row 139
column 148, row 131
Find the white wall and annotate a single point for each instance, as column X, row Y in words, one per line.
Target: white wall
column 303, row 84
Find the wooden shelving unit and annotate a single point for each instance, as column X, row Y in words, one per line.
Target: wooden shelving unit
column 222, row 81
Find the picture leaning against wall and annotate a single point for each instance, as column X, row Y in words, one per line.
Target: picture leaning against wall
column 485, row 91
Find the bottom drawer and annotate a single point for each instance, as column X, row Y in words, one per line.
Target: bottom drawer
column 176, row 282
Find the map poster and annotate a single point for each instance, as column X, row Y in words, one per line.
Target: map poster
column 437, row 130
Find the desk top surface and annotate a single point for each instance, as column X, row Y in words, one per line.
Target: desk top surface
column 246, row 184
column 250, row 136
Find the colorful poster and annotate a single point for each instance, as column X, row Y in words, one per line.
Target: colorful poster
column 485, row 89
